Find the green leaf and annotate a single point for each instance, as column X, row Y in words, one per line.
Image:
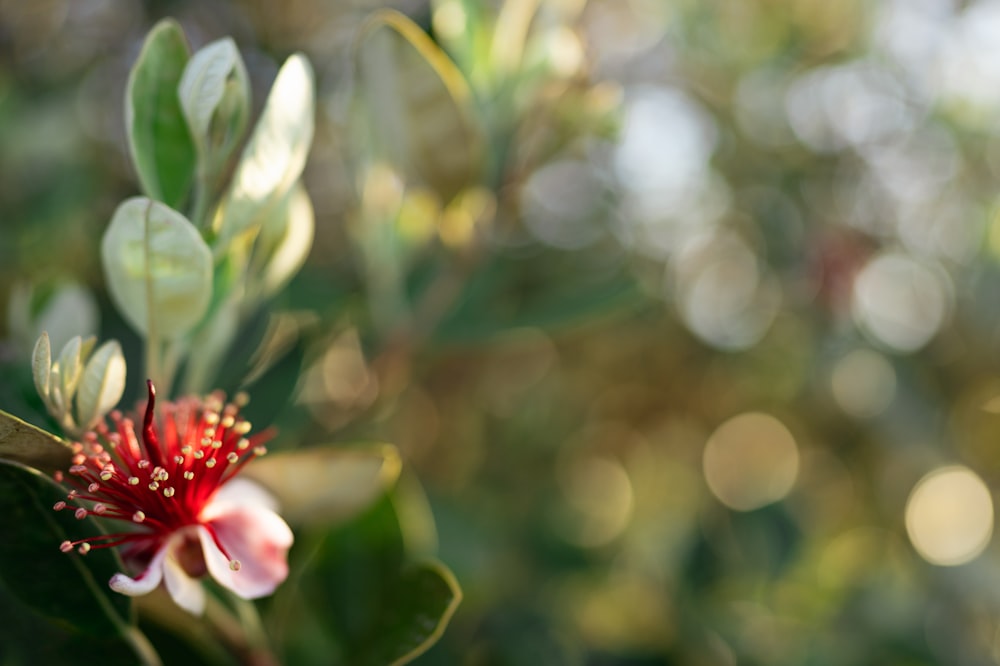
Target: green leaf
column 285, row 238
column 418, row 106
column 158, row 135
column 23, row 443
column 506, row 293
column 360, row 599
column 276, row 153
column 65, row 586
column 327, row 484
column 157, row 267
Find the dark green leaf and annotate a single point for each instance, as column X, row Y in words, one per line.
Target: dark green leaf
column 373, row 606
column 158, row 135
column 51, row 642
column 62, row 586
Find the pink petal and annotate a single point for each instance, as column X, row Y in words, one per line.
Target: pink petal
column 145, row 582
column 253, row 535
column 238, row 492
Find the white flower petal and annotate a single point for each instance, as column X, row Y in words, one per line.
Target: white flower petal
column 184, row 590
column 147, row 581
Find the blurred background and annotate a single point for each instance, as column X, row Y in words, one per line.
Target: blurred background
column 684, row 315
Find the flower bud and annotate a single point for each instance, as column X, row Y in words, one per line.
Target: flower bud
column 96, row 384
column 102, row 384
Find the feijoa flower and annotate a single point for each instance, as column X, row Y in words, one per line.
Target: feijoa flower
column 174, row 488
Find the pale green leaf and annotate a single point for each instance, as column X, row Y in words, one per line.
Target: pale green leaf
column 276, row 153
column 418, row 106
column 204, row 85
column 102, row 385
column 284, row 241
column 24, row 443
column 326, row 484
column 158, row 136
column 158, row 268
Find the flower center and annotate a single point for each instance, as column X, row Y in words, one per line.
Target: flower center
column 190, row 555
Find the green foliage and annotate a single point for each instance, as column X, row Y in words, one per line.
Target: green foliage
column 66, row 588
column 417, row 106
column 159, row 138
column 371, row 604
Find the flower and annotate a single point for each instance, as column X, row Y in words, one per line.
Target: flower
column 177, row 489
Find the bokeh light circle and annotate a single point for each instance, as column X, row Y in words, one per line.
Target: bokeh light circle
column 750, row 461
column 863, row 383
column 949, row 516
column 900, row 301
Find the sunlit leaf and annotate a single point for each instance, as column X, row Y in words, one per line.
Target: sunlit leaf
column 276, row 153
column 418, row 106
column 158, row 268
column 24, row 443
column 215, row 77
column 203, row 84
column 158, row 136
column 326, row 484
column 64, row 586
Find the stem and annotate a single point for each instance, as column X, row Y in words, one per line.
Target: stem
column 171, row 357
column 243, row 633
column 141, row 646
column 200, row 206
column 249, row 616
